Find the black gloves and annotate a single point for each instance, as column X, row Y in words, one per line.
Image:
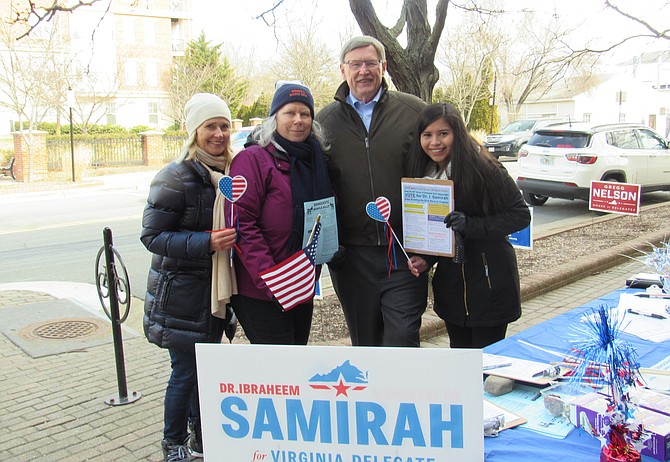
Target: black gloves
column 457, row 221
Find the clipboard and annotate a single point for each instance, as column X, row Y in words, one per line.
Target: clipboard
column 425, row 204
column 520, row 370
column 511, row 419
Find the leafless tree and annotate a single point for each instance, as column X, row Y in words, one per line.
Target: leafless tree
column 411, row 67
column 535, row 59
column 33, row 73
column 305, row 57
column 468, row 56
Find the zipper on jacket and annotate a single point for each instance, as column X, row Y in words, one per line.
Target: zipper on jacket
column 372, row 184
column 465, row 290
column 486, row 269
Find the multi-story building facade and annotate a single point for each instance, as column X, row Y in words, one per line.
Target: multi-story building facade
column 116, row 56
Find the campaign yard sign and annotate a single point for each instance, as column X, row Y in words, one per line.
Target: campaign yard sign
column 523, row 239
column 277, row 403
column 621, row 198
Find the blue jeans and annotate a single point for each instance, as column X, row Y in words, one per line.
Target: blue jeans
column 181, row 391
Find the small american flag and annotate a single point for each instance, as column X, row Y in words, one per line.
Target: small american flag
column 292, row 281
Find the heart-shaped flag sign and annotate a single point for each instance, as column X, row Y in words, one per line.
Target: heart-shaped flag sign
column 379, row 210
column 232, row 188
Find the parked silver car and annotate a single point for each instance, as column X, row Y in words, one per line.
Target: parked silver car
column 562, row 160
column 514, row 135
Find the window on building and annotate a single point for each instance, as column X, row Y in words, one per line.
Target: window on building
column 129, row 30
column 130, row 72
column 151, row 73
column 154, row 109
column 149, row 31
column 110, row 114
column 586, row 117
column 622, row 117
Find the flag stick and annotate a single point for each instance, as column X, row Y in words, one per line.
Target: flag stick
column 311, row 235
column 399, row 243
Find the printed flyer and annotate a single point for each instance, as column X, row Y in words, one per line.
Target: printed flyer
column 425, row 203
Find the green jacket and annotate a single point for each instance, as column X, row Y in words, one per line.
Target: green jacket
column 364, row 166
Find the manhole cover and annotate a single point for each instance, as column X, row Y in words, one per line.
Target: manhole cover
column 63, row 329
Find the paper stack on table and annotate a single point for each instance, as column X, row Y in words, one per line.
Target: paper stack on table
column 647, row 317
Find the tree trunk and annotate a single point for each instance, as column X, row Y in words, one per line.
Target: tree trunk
column 412, row 68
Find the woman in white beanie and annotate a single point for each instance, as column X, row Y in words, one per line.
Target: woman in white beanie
column 190, row 281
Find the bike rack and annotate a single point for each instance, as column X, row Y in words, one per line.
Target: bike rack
column 117, row 290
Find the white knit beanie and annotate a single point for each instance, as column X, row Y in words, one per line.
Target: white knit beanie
column 200, row 108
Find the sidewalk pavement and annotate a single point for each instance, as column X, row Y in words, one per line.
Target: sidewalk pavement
column 54, row 409
column 55, row 383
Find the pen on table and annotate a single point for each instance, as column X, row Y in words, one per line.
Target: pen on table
column 648, row 295
column 649, row 315
column 495, row 366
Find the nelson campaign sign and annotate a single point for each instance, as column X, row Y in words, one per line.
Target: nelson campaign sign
column 622, row 198
column 340, row 404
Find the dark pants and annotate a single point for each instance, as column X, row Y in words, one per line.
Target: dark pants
column 474, row 337
column 264, row 322
column 380, row 310
column 181, row 392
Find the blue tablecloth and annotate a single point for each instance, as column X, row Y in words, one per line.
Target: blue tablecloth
column 520, row 445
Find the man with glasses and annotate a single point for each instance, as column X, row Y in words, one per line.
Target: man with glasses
column 369, row 128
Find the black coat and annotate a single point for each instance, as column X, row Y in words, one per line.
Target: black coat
column 484, row 291
column 177, row 308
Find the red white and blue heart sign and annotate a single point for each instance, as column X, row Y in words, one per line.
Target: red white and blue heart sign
column 232, row 188
column 379, row 210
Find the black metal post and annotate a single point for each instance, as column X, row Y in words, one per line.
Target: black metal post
column 112, row 284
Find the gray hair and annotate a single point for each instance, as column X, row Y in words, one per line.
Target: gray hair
column 264, row 132
column 360, row 42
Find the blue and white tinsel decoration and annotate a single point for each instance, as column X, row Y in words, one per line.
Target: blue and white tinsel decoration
column 605, row 359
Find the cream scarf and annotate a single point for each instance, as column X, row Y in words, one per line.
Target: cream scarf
column 224, row 282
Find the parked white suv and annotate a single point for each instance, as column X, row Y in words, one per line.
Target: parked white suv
column 561, row 160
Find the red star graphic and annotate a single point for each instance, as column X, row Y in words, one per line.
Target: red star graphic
column 341, row 389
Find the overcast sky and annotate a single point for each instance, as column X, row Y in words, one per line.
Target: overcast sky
column 233, row 23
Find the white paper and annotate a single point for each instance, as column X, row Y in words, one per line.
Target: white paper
column 425, row 203
column 328, row 241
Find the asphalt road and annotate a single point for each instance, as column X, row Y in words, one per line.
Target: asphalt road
column 56, row 235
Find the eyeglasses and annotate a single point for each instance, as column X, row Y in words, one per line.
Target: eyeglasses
column 357, row 65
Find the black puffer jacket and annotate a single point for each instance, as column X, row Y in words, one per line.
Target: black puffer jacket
column 483, row 291
column 177, row 311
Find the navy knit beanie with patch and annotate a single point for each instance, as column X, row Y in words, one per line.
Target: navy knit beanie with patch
column 291, row 92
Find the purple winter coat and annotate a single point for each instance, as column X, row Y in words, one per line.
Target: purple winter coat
column 265, row 217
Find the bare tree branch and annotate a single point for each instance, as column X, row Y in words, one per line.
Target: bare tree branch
column 270, row 12
column 663, row 34
column 35, row 15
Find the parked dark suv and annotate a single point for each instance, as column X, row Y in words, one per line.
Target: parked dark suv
column 514, row 135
